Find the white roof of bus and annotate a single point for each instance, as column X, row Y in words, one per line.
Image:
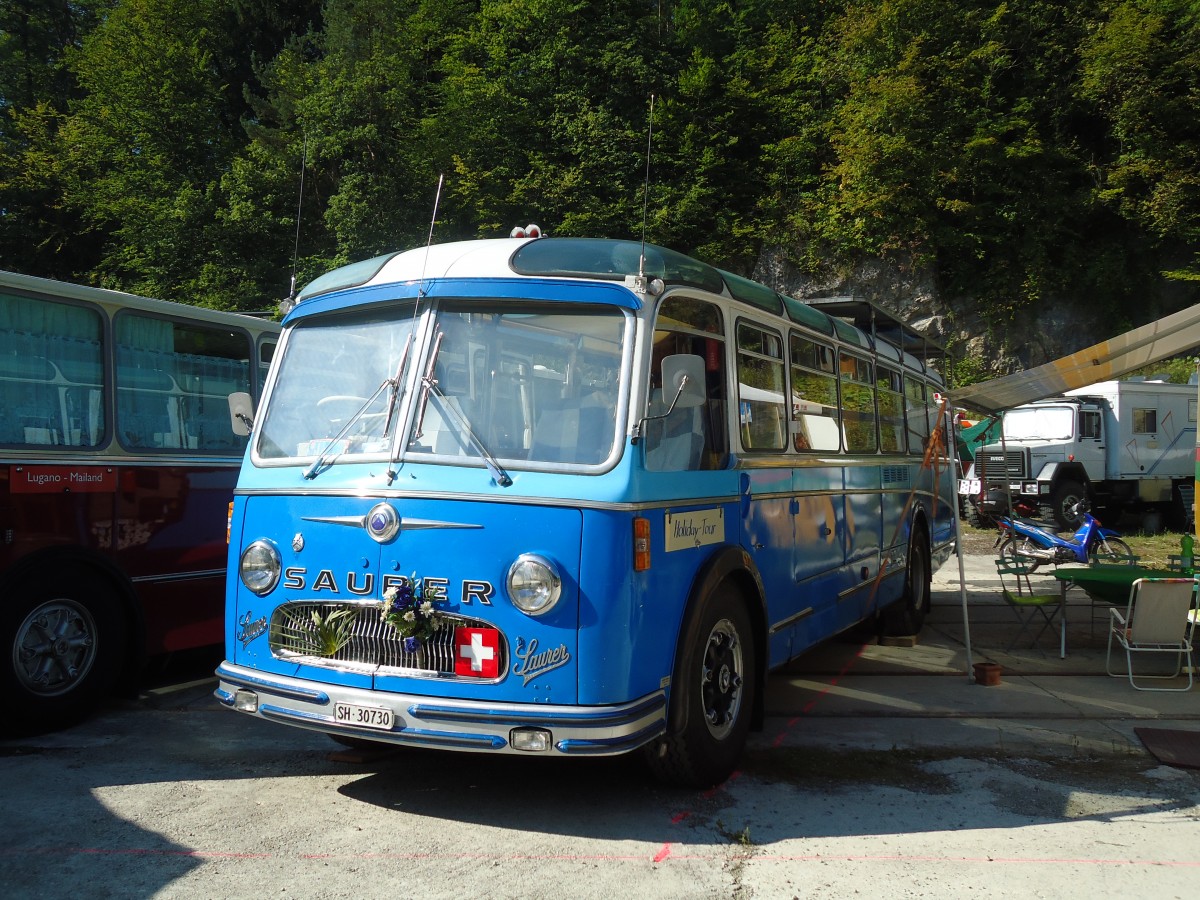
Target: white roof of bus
column 467, row 259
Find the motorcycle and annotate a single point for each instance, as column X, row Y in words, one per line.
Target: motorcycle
column 1026, row 540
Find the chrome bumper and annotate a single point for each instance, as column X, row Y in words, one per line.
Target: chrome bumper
column 446, row 723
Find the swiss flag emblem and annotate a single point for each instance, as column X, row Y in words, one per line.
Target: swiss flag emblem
column 477, row 652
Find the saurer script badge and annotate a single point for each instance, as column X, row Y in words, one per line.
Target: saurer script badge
column 531, row 662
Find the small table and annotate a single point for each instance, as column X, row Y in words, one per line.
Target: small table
column 1105, row 583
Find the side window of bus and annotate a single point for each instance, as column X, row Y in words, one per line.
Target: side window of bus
column 917, row 416
column 692, row 436
column 173, row 382
column 816, row 424
column 890, row 390
column 858, row 404
column 51, row 373
column 762, row 418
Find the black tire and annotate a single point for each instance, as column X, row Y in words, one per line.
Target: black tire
column 1115, row 548
column 977, row 519
column 1062, row 503
column 712, row 695
column 907, row 615
column 64, row 638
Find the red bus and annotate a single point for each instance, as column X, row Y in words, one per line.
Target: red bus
column 117, row 466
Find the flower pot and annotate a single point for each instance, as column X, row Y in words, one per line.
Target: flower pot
column 987, row 673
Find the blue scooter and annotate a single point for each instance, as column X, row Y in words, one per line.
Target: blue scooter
column 1026, row 540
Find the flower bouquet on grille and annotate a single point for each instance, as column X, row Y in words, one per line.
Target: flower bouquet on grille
column 408, row 610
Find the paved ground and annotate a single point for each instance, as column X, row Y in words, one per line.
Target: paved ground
column 882, row 770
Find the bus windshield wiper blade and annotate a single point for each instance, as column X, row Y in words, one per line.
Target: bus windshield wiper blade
column 328, row 455
column 394, row 394
column 493, row 465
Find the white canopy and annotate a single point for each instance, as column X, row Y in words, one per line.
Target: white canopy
column 1169, row 336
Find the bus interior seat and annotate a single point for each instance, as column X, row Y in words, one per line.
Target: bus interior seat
column 676, row 442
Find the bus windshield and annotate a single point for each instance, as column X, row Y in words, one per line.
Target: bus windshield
column 327, row 398
column 497, row 381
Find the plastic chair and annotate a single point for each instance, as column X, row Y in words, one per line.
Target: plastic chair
column 1026, row 603
column 1158, row 619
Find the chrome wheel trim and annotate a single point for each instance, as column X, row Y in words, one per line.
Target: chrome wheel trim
column 721, row 679
column 54, row 648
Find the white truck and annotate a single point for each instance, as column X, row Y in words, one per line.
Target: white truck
column 1126, row 446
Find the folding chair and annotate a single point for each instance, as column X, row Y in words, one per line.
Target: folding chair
column 1025, row 603
column 1159, row 619
column 1106, row 559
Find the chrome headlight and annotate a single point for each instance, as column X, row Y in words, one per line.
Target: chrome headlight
column 259, row 567
column 534, row 585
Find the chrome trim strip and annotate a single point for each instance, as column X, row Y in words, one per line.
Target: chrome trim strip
column 620, row 715
column 607, row 746
column 243, row 678
column 158, row 461
column 791, row 620
column 179, row 576
column 870, row 582
column 405, row 524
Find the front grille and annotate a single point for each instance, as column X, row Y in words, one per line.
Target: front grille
column 995, row 465
column 357, row 638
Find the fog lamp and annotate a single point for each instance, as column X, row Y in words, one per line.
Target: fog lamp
column 532, row 739
column 246, row 701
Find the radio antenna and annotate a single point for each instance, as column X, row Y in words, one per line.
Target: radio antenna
column 299, row 208
column 646, row 189
column 429, row 241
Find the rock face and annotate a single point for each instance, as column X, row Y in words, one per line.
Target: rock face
column 910, row 292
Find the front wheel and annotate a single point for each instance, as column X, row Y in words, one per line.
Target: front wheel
column 1113, row 549
column 64, row 639
column 1062, row 504
column 712, row 695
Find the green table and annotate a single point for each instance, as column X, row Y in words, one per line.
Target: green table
column 1109, row 583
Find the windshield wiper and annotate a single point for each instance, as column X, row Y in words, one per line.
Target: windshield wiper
column 493, row 465
column 394, row 396
column 328, row 455
column 429, row 386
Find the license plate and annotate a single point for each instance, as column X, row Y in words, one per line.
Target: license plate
column 363, row 716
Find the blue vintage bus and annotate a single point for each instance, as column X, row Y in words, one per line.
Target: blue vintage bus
column 573, row 497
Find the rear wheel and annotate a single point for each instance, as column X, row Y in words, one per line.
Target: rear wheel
column 907, row 615
column 64, row 640
column 712, row 695
column 1021, row 549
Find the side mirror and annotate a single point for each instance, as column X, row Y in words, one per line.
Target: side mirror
column 683, row 380
column 241, row 413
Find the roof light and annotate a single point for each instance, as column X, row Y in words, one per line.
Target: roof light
column 529, row 231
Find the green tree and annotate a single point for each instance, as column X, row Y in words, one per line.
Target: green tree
column 36, row 89
column 1142, row 68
